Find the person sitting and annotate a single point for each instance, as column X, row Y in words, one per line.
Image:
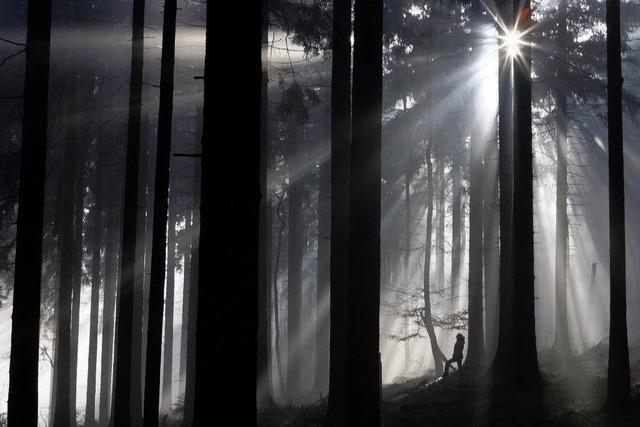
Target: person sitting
column 457, row 355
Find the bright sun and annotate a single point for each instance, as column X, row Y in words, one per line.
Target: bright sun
column 512, row 41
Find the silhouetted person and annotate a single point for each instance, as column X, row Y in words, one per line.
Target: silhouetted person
column 457, row 355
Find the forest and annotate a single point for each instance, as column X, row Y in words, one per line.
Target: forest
column 319, row 213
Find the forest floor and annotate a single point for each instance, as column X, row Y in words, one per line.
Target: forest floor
column 573, row 397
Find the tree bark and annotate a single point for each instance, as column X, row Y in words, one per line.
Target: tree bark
column 442, row 183
column 25, row 323
column 618, row 386
column 456, row 225
column 527, row 374
column 159, row 238
column 122, row 379
column 503, row 365
column 363, row 334
column 340, row 157
column 228, row 281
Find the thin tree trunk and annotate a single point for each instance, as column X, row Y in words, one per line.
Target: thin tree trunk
column 138, row 291
column 295, row 260
column 363, row 334
column 491, row 260
column 527, row 373
column 438, row 357
column 184, row 244
column 618, row 387
column 456, row 226
column 324, row 273
column 561, row 344
column 108, row 311
column 166, row 402
column 63, row 362
column 442, row 183
column 25, row 319
column 340, row 157
column 159, row 239
column 96, row 240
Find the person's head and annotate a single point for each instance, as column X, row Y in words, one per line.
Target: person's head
column 460, row 337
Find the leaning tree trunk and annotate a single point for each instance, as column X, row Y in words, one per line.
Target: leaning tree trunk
column 229, row 280
column 122, row 379
column 527, row 373
column 340, row 155
column 438, row 357
column 25, row 320
column 561, row 344
column 618, row 388
column 159, row 237
column 363, row 331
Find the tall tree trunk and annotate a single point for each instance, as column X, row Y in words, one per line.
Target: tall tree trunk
column 62, row 411
column 363, row 334
column 527, row 374
column 239, row 206
column 295, row 260
column 324, row 273
column 25, row 319
column 138, row 291
column 438, row 357
column 442, row 183
column 76, row 274
column 561, row 344
column 618, row 388
column 166, row 402
column 122, row 379
column 340, row 157
column 190, row 371
column 184, row 244
column 456, row 226
column 96, row 241
column 159, row 238
column 491, row 225
column 108, row 311
column 504, row 360
column 276, row 298
column 475, row 352
column 407, row 255
column 264, row 397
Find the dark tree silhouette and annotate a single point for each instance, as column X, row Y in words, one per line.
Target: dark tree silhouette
column 363, row 335
column 122, row 379
column 167, row 362
column 23, row 367
column 503, row 363
column 160, row 207
column 618, row 387
column 524, row 340
column 228, row 281
column 340, row 154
